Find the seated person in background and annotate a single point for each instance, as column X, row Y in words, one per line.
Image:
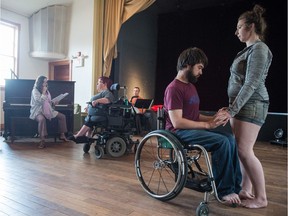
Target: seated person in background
column 134, row 98
column 41, row 109
column 144, row 120
column 105, row 96
column 136, row 95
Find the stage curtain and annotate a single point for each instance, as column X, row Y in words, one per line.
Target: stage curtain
column 115, row 14
column 97, row 63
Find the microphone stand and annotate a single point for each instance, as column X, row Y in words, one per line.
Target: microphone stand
column 14, row 74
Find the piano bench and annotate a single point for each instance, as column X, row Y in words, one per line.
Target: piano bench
column 24, row 126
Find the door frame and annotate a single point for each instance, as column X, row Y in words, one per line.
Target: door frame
column 58, row 63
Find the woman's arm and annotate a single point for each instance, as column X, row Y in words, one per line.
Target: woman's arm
column 38, row 97
column 256, row 72
column 100, row 101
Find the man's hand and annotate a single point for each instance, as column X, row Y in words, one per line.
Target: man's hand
column 216, row 122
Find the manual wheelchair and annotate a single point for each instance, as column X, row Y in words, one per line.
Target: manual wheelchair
column 165, row 165
column 115, row 125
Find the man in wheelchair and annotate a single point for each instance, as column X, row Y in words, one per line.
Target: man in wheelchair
column 181, row 107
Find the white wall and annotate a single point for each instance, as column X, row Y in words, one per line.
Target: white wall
column 81, row 39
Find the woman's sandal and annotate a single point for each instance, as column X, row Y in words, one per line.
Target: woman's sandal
column 42, row 145
column 64, row 139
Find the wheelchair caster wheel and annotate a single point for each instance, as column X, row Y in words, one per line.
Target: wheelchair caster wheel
column 86, row 147
column 99, row 152
column 202, row 210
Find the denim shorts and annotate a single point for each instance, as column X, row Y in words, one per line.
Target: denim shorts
column 254, row 112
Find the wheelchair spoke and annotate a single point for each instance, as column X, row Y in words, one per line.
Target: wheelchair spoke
column 155, row 167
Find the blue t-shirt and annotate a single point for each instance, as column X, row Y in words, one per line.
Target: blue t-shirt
column 180, row 95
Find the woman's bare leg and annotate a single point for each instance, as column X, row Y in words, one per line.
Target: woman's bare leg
column 62, row 125
column 42, row 129
column 246, row 134
column 246, row 192
column 83, row 130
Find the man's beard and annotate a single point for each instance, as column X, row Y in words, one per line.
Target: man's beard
column 190, row 77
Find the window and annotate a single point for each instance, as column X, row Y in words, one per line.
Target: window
column 8, row 51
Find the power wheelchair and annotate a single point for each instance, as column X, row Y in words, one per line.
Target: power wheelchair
column 115, row 125
column 165, row 165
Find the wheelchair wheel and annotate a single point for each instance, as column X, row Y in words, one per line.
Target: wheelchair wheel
column 99, row 151
column 161, row 165
column 202, row 210
column 86, row 147
column 116, row 146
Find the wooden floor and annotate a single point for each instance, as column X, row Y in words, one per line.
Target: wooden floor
column 62, row 180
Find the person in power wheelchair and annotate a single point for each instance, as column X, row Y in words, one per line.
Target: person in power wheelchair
column 109, row 120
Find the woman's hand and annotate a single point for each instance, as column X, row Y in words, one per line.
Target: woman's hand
column 86, row 109
column 95, row 103
column 222, row 116
column 44, row 89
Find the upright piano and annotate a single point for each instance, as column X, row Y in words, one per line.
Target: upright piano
column 16, row 106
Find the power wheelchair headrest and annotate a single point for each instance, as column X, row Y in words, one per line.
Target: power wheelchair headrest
column 114, row 87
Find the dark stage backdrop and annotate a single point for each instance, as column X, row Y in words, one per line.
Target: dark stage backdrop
column 213, row 30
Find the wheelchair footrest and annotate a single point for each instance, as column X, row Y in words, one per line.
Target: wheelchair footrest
column 199, row 182
column 84, row 139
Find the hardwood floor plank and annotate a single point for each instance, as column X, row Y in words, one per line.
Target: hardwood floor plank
column 62, row 180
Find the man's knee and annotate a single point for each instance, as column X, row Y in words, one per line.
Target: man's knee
column 225, row 145
column 230, row 140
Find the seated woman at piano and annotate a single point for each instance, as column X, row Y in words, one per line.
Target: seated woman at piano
column 41, row 109
column 104, row 96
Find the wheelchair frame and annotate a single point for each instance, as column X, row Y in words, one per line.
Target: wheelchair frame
column 114, row 137
column 164, row 166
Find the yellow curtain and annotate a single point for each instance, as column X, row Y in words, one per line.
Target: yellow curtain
column 116, row 13
column 97, row 43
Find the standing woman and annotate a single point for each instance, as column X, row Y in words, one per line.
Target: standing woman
column 249, row 102
column 41, row 110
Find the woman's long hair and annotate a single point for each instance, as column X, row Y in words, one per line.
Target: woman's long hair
column 39, row 83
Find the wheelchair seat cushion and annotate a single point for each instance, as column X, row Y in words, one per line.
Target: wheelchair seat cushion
column 91, row 121
column 95, row 118
column 99, row 110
